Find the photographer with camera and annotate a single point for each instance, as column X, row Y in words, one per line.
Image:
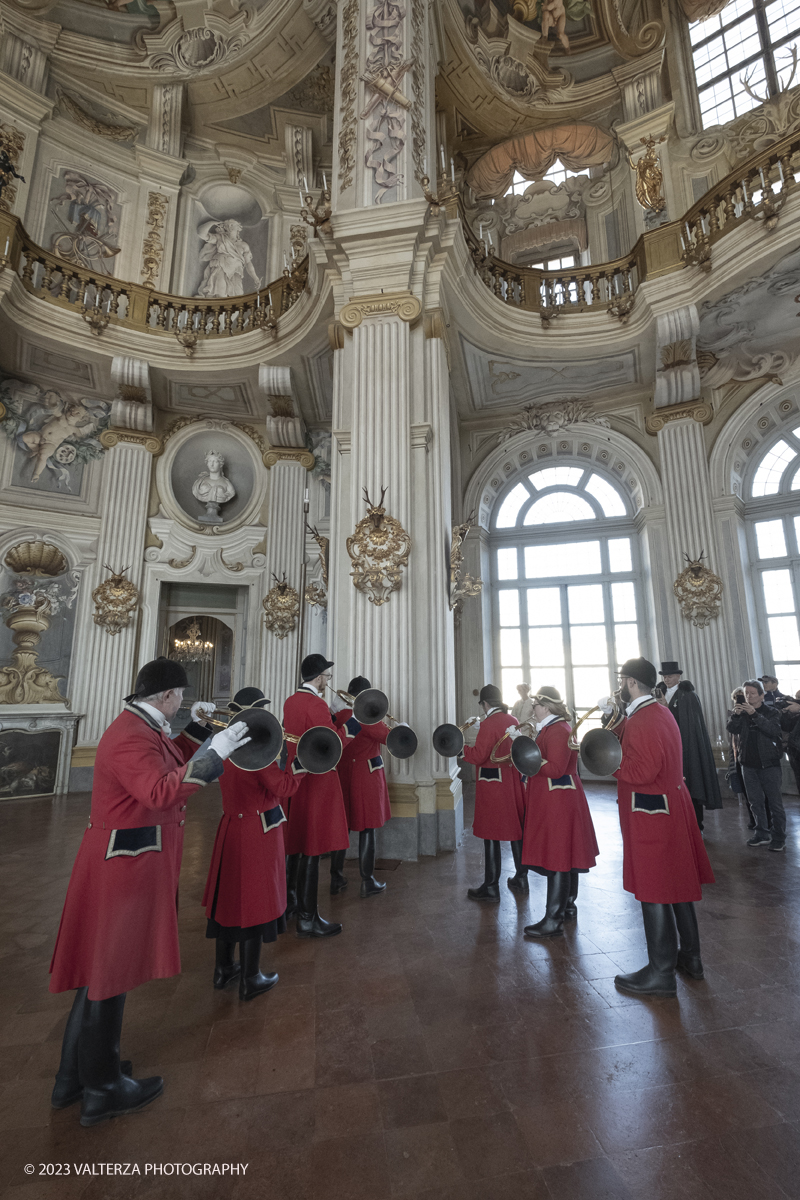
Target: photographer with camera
column 758, row 729
column 790, row 723
column 773, row 697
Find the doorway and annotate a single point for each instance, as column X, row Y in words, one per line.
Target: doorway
column 204, row 626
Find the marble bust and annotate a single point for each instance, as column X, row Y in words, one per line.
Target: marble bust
column 212, row 488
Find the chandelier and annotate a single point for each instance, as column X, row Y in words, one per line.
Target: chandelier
column 190, row 647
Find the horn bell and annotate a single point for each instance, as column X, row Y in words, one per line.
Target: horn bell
column 526, row 755
column 601, row 752
column 319, row 749
column 402, row 742
column 370, row 706
column 448, row 740
column 266, row 739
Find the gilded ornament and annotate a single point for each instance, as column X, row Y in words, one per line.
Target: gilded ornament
column 348, row 88
column 622, row 307
column 281, row 607
column 316, row 596
column 649, row 176
column 153, row 247
column 677, row 354
column 698, row 592
column 378, row 549
column 12, row 143
column 466, row 584
column 115, row 601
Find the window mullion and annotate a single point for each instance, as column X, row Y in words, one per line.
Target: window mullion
column 770, row 69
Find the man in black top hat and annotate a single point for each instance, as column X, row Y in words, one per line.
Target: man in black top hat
column 699, row 768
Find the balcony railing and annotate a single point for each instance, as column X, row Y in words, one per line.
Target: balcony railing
column 756, row 190
column 102, row 300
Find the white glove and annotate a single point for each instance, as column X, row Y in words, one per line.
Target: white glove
column 201, row 709
column 338, row 705
column 605, row 706
column 514, row 732
column 230, row 739
column 472, row 721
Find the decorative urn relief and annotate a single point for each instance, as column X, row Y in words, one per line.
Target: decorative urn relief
column 42, row 586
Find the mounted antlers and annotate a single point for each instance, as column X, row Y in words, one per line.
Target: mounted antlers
column 744, row 80
column 369, row 503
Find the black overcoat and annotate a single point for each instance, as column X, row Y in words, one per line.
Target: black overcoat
column 699, row 768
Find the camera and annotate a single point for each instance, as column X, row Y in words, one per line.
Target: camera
column 739, row 698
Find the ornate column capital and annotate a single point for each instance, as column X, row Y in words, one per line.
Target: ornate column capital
column 696, row 410
column 392, row 304
column 111, row 437
column 277, row 454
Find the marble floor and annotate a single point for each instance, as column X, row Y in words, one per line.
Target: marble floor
column 428, row 1051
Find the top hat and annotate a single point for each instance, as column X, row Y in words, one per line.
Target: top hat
column 670, row 668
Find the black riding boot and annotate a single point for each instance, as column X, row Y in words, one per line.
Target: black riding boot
column 338, row 881
column 68, row 1087
column 292, row 868
column 552, row 924
column 658, row 977
column 252, row 983
column 689, row 953
column 519, row 880
column 490, row 888
column 366, row 864
column 225, row 970
column 571, row 911
column 309, row 922
column 106, row 1091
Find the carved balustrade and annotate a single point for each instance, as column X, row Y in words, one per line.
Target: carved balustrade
column 755, row 190
column 103, row 300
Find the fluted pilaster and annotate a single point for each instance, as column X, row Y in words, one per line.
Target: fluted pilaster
column 704, row 654
column 108, row 664
column 285, row 544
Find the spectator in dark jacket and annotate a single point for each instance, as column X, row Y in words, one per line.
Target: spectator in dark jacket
column 790, row 723
column 758, row 729
column 772, row 692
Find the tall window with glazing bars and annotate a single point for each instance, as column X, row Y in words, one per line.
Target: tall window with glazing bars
column 750, row 41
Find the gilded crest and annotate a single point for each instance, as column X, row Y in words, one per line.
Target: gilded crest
column 699, row 592
column 281, row 607
column 379, row 548
column 115, row 601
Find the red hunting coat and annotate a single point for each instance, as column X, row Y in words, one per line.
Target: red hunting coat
column 317, row 820
column 119, row 926
column 664, row 859
column 248, row 871
column 362, row 774
column 559, row 834
column 499, row 797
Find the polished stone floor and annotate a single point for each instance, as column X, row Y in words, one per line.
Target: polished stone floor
column 428, row 1051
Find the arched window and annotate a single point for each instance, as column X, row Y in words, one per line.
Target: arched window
column 565, row 576
column 773, row 518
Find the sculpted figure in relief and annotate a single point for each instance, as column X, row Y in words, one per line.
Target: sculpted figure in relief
column 212, row 488
column 229, row 258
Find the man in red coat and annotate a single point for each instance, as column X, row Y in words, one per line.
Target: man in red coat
column 317, row 822
column 245, row 893
column 365, row 793
column 119, row 926
column 664, row 859
column 499, row 798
